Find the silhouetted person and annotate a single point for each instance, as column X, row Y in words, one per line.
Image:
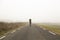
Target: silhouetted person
column 30, row 22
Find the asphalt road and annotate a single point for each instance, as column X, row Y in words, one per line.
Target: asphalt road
column 31, row 33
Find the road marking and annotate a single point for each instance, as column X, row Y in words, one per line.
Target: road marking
column 52, row 33
column 2, row 37
column 13, row 31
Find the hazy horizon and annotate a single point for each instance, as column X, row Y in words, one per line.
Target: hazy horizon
column 22, row 10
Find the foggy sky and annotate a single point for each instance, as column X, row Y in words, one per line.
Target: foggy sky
column 37, row 10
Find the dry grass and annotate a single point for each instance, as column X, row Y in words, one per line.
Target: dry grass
column 5, row 27
column 53, row 28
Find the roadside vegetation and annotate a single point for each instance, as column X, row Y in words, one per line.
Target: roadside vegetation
column 51, row 27
column 5, row 27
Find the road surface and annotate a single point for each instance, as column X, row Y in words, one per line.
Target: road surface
column 31, row 33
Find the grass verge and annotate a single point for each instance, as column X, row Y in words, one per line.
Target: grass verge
column 7, row 27
column 53, row 28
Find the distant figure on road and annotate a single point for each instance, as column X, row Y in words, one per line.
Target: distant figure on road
column 30, row 22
